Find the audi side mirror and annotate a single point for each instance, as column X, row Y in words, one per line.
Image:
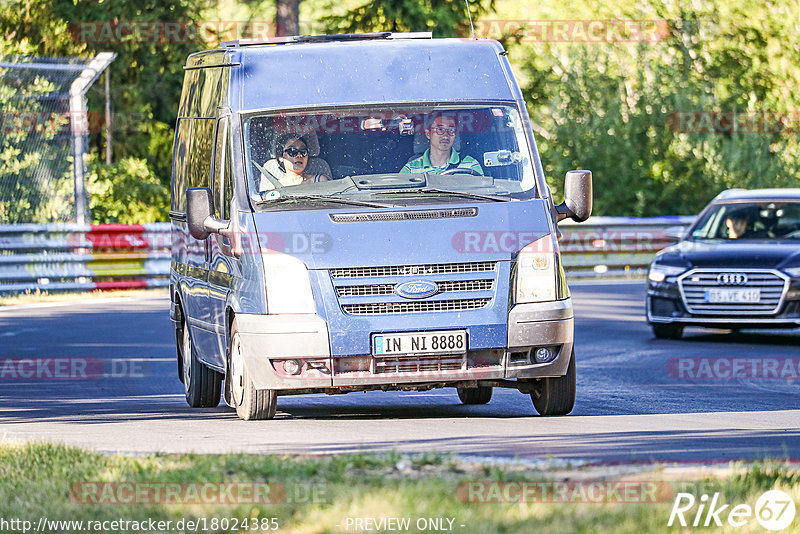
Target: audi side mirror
column 675, row 233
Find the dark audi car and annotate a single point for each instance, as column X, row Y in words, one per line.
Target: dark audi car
column 737, row 266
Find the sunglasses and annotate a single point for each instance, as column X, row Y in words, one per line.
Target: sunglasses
column 293, row 152
column 441, row 130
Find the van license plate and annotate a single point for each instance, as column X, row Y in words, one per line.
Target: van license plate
column 442, row 342
column 733, row 295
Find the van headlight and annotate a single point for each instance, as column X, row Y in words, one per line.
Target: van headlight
column 535, row 279
column 659, row 273
column 288, row 284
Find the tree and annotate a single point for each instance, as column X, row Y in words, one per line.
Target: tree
column 616, row 108
column 287, row 17
column 447, row 18
column 147, row 75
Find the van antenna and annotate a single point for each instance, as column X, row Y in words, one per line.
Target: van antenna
column 470, row 20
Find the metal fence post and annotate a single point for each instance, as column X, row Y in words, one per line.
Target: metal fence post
column 80, row 127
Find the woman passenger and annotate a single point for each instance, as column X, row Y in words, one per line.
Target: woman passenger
column 291, row 153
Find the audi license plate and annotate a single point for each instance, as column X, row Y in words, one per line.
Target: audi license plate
column 442, row 342
column 733, row 295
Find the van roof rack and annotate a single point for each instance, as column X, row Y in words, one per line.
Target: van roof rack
column 293, row 39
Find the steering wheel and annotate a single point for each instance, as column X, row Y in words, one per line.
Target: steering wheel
column 268, row 176
column 462, row 170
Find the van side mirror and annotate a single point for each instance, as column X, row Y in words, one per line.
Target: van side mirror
column 577, row 203
column 200, row 213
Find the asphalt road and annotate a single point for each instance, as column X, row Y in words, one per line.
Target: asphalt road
column 632, row 403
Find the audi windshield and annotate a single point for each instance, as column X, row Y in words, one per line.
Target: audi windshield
column 749, row 221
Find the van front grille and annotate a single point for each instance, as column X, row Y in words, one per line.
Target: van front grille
column 414, row 270
column 388, row 289
column 391, row 308
column 418, row 364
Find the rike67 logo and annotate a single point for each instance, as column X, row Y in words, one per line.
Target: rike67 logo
column 774, row 510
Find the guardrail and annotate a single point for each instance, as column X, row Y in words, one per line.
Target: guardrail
column 615, row 246
column 73, row 257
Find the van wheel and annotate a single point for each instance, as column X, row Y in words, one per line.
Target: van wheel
column 250, row 403
column 201, row 383
column 555, row 396
column 478, row 395
column 667, row 331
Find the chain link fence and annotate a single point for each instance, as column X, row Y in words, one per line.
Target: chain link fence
column 40, row 129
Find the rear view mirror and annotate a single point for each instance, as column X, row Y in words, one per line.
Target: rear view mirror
column 200, row 213
column 577, row 203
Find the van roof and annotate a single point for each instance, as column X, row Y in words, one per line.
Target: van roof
column 376, row 69
column 301, row 39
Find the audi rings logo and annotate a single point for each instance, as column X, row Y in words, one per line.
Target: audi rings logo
column 732, row 279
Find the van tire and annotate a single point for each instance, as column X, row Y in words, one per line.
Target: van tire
column 477, row 395
column 555, row 396
column 251, row 404
column 201, row 384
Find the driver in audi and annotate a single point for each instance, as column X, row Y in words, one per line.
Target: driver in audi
column 440, row 129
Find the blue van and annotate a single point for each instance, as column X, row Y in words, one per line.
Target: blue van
column 365, row 212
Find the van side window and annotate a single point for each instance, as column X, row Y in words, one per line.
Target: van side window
column 202, row 139
column 180, row 159
column 220, row 176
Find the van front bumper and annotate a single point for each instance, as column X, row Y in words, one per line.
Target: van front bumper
column 270, row 340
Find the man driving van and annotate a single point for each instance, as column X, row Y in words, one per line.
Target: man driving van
column 441, row 156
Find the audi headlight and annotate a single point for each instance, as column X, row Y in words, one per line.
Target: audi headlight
column 288, row 284
column 794, row 272
column 536, row 272
column 659, row 273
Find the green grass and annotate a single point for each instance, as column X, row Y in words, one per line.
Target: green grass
column 35, row 481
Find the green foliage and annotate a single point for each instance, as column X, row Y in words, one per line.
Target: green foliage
column 146, row 81
column 447, row 18
column 127, row 192
column 25, row 122
column 612, row 107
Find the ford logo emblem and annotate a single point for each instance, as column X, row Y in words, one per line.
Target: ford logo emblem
column 416, row 289
column 732, row 279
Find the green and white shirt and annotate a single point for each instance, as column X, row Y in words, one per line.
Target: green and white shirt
column 423, row 164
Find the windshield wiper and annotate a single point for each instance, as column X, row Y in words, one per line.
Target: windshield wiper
column 326, row 198
column 435, row 191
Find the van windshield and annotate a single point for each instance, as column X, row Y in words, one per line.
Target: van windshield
column 388, row 156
